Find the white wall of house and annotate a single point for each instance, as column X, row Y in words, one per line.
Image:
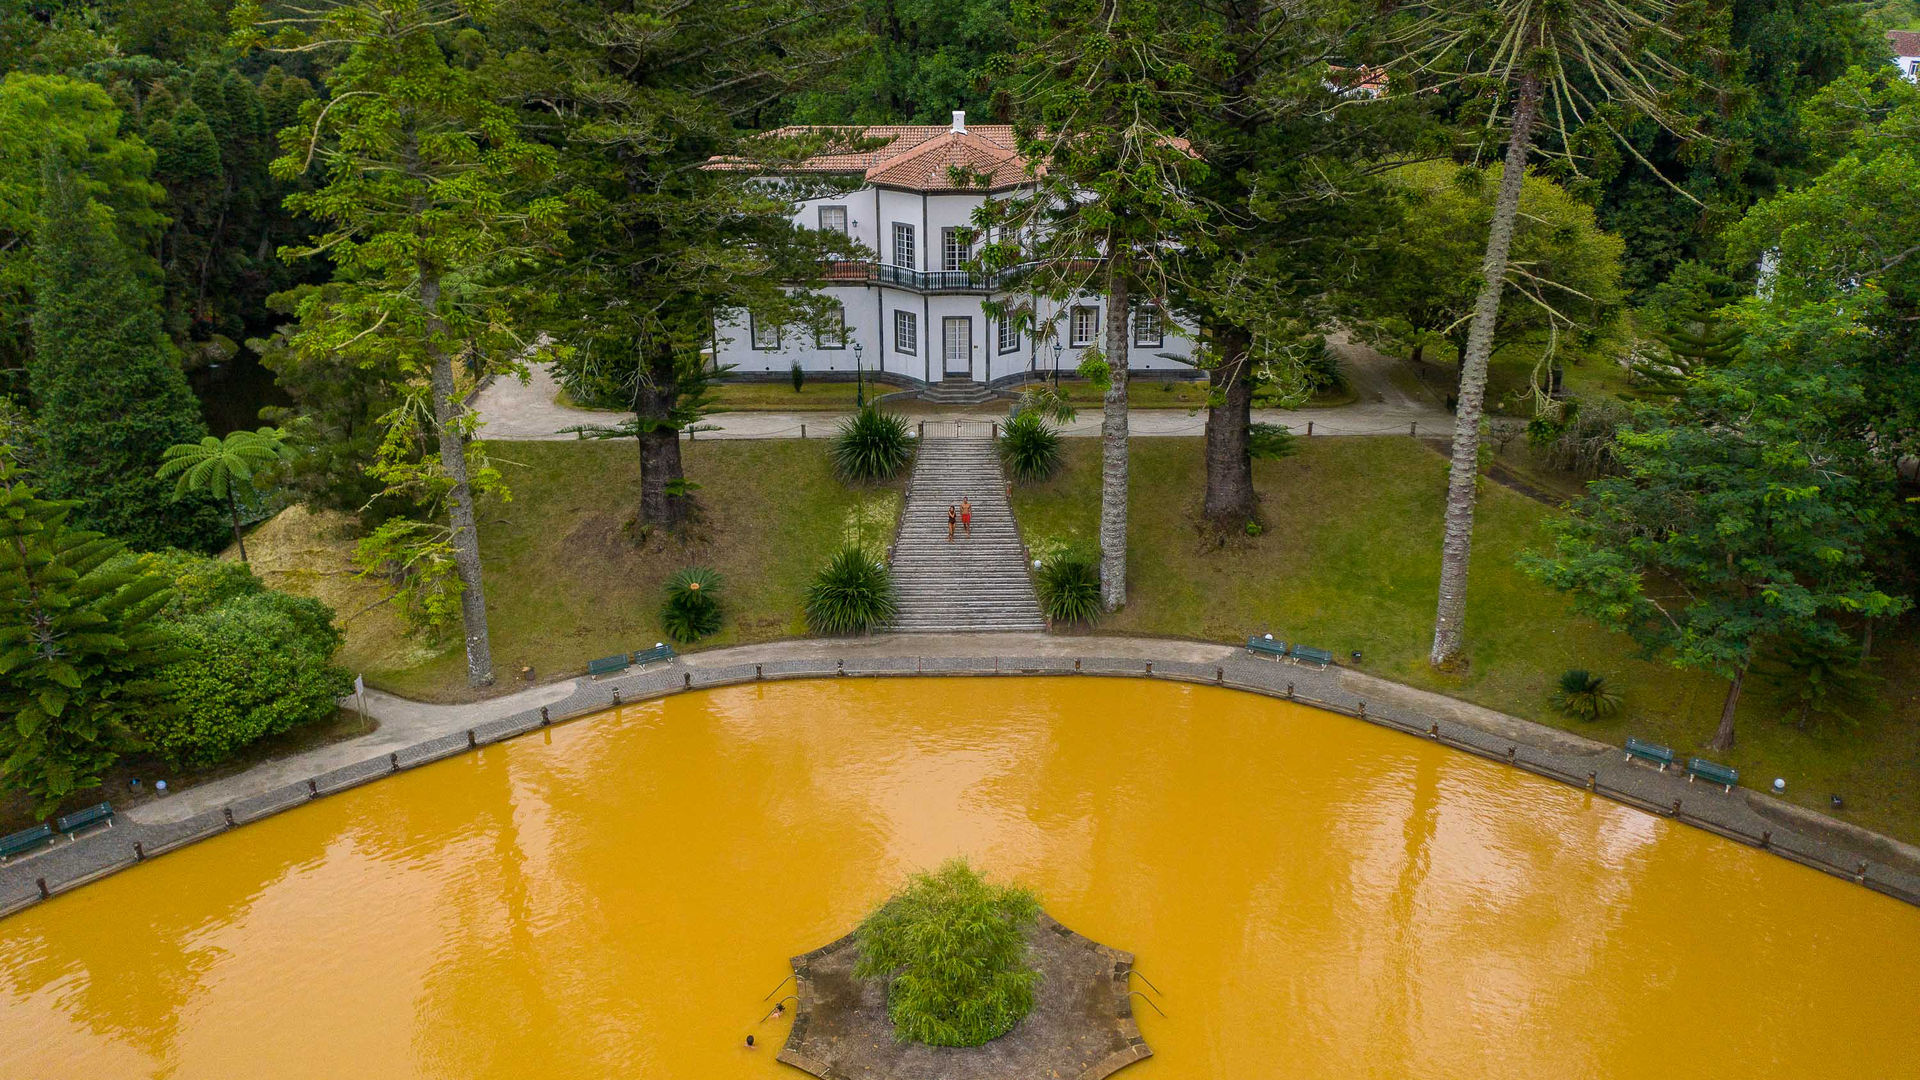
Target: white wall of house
column 876, row 313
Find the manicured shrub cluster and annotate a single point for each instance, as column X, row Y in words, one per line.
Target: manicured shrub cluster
column 871, row 446
column 852, row 594
column 1029, row 448
column 952, row 947
column 692, row 607
column 1068, row 586
column 1583, row 695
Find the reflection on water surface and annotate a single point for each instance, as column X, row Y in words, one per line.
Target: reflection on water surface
column 1316, row 898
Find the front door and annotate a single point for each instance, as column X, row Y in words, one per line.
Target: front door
column 957, row 337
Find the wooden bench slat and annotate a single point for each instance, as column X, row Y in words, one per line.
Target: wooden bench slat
column 655, row 654
column 80, row 819
column 1266, row 646
column 1648, row 751
column 25, row 840
column 607, row 664
column 1713, row 772
column 1312, row 655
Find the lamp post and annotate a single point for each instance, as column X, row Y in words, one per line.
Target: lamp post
column 1056, row 363
column 859, row 378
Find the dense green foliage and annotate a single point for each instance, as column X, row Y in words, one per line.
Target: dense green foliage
column 1029, row 447
column 224, row 469
column 78, row 643
column 871, row 446
column 106, row 380
column 1583, row 695
column 926, row 59
column 852, row 594
column 1068, row 586
column 691, row 610
column 251, row 665
column 952, row 947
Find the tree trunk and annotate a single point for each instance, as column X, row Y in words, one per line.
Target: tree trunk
column 233, row 508
column 655, row 394
column 1230, row 499
column 1113, row 452
column 1723, row 738
column 453, row 458
column 1455, row 550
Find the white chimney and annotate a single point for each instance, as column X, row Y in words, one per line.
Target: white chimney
column 959, row 123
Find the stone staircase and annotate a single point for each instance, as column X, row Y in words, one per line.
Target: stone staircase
column 974, row 583
column 960, row 391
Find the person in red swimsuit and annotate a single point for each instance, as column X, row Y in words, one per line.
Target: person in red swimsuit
column 966, row 516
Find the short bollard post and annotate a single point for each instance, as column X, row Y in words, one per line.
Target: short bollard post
column 616, row 695
column 139, row 851
column 1309, row 427
column 1363, row 710
column 803, row 431
column 996, row 429
column 1593, row 781
column 1289, row 689
column 313, row 788
column 1860, row 874
column 1676, row 808
column 839, row 667
column 686, row 680
column 756, row 671
column 1511, row 752
column 45, row 893
column 1433, row 731
column 228, row 810
column 472, row 743
column 1219, row 674
column 1766, row 838
column 393, row 760
column 1149, row 667
column 1076, row 665
column 545, row 717
column 1413, row 427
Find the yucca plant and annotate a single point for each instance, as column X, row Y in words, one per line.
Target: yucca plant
column 692, row 607
column 871, row 446
column 1583, row 695
column 1029, row 448
column 852, row 594
column 1068, row 586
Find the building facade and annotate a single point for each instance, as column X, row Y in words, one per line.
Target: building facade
column 1906, row 52
column 915, row 313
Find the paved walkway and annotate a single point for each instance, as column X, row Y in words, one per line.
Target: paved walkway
column 414, row 733
column 514, row 410
column 977, row 579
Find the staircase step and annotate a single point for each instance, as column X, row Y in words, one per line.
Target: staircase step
column 977, row 581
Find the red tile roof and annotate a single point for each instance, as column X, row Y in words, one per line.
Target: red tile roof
column 1905, row 42
column 915, row 157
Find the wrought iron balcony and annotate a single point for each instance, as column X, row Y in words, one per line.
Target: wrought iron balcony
column 927, row 281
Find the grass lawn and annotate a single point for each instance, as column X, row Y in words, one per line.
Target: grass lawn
column 566, row 579
column 1145, row 393
column 1509, row 376
column 1350, row 560
column 816, row 395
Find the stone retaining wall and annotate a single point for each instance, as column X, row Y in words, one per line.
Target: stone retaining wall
column 69, row 864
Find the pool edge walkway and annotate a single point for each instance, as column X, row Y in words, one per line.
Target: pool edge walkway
column 413, row 733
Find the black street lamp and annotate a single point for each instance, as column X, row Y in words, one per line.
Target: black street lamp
column 859, row 378
column 1056, row 363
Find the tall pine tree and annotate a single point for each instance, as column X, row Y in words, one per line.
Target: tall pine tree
column 110, row 397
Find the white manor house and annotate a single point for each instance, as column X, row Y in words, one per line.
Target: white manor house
column 915, row 315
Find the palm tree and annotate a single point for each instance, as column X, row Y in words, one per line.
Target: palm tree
column 1578, row 69
column 223, row 467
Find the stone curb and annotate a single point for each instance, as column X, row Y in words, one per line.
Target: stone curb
column 1603, row 770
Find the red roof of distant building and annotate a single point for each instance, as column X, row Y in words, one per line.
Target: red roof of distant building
column 915, row 157
column 1905, row 42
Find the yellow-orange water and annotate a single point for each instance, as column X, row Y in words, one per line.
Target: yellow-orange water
column 1315, row 897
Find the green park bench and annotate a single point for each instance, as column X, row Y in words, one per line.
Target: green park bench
column 25, row 840
column 1653, row 753
column 607, row 665
column 1266, row 646
column 1312, row 655
column 654, row 655
column 1712, row 773
column 80, row 819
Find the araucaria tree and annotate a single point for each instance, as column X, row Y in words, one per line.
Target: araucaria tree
column 108, row 386
column 1580, row 70
column 423, row 202
column 1110, row 198
column 76, row 647
column 659, row 245
column 1743, row 521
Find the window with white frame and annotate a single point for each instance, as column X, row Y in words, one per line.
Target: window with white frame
column 1009, row 334
column 834, row 335
column 766, row 335
column 1084, row 325
column 906, row 332
column 903, row 254
column 956, row 247
column 1146, row 326
column 833, row 219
